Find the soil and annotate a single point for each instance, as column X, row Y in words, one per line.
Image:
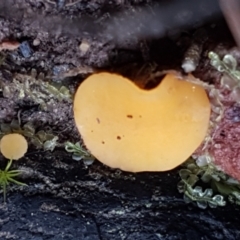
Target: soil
column 67, row 199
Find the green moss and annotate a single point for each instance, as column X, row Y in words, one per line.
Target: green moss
column 207, row 186
column 79, row 153
column 227, row 65
column 8, row 176
column 44, row 93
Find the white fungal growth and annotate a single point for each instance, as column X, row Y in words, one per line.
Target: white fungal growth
column 191, row 58
column 202, row 161
column 193, row 53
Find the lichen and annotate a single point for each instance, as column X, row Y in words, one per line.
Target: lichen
column 212, row 176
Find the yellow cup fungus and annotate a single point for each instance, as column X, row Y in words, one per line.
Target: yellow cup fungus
column 138, row 130
column 13, row 146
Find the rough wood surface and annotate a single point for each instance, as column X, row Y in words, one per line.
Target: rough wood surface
column 66, row 199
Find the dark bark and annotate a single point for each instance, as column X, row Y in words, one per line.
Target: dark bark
column 66, row 199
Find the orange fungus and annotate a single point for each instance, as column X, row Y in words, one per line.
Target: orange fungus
column 13, row 146
column 137, row 130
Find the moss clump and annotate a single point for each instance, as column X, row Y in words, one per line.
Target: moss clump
column 218, row 185
column 227, row 65
column 8, row 176
column 79, row 153
column 40, row 92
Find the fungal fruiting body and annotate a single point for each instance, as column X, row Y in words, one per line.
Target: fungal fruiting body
column 13, row 146
column 137, row 130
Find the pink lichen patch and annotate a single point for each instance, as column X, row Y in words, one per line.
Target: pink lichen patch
column 222, row 144
column 225, row 147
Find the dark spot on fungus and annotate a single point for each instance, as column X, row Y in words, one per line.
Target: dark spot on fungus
column 103, row 142
column 118, row 138
column 92, row 131
column 129, row 116
column 140, row 116
column 98, row 120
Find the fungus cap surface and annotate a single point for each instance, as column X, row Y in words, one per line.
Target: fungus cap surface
column 137, row 130
column 13, row 146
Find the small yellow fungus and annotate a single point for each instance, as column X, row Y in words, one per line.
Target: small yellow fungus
column 13, row 146
column 138, row 130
